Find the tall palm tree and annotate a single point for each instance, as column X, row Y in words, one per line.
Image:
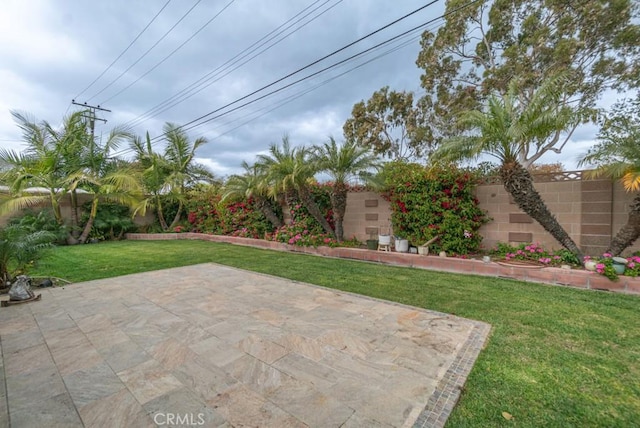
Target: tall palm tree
column 506, row 130
column 42, row 167
column 252, row 184
column 170, row 174
column 617, row 155
column 62, row 162
column 292, row 170
column 343, row 163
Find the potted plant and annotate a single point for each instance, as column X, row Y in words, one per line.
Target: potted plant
column 372, row 243
column 401, row 244
column 384, row 239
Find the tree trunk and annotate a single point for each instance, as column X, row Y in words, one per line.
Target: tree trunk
column 160, row 213
column 176, row 219
column 87, row 227
column 314, row 210
column 339, row 205
column 518, row 182
column 266, row 210
column 75, row 218
column 628, row 233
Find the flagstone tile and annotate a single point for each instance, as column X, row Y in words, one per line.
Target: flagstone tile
column 148, row 380
column 120, row 409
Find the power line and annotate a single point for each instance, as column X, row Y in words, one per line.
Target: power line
column 146, row 53
column 123, row 52
column 193, row 123
column 170, row 54
column 314, row 63
column 207, row 80
column 291, row 98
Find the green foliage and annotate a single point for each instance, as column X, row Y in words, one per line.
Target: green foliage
column 487, row 44
column 19, row 249
column 427, row 203
column 389, row 124
column 34, row 221
column 304, row 230
column 111, row 222
column 209, row 214
column 617, row 153
column 534, row 252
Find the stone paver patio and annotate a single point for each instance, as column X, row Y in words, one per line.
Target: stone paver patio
column 209, row 345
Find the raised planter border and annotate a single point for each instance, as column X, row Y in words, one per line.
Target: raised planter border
column 549, row 275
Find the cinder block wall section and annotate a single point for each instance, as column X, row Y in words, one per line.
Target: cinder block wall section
column 511, row 225
column 367, row 214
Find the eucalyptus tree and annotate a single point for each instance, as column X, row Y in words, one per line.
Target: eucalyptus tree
column 252, row 184
column 506, row 128
column 485, row 45
column 291, row 170
column 617, row 155
column 343, row 163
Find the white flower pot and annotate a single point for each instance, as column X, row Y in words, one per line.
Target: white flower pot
column 402, row 245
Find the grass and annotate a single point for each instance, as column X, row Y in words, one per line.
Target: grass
column 557, row 357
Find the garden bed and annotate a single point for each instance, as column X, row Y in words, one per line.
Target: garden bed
column 577, row 278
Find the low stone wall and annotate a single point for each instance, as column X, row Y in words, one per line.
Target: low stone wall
column 573, row 278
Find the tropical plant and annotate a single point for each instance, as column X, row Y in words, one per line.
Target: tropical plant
column 617, row 155
column 486, row 44
column 342, row 163
column 19, row 248
column 505, row 129
column 291, row 170
column 168, row 176
column 252, row 185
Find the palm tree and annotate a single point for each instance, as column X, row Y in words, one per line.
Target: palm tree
column 252, row 185
column 167, row 176
column 38, row 175
column 18, row 248
column 617, row 155
column 343, row 163
column 506, row 130
column 291, row 170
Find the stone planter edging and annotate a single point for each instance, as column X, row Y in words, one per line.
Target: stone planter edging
column 557, row 276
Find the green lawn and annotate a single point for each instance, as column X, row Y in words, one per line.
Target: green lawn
column 557, row 356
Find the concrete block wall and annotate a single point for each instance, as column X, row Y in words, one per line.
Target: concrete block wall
column 367, row 214
column 591, row 211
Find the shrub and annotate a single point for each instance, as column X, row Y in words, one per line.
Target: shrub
column 536, row 253
column 441, row 201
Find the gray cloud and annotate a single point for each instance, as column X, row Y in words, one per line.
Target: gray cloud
column 67, row 44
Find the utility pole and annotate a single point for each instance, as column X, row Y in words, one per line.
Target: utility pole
column 91, row 111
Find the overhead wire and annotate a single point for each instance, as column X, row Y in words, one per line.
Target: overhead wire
column 146, row 52
column 123, row 52
column 169, row 55
column 187, row 125
column 270, row 108
column 199, row 121
column 193, row 123
column 208, row 79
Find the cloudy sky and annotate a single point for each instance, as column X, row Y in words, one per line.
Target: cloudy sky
column 199, row 57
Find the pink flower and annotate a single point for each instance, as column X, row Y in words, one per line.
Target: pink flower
column 556, row 257
column 631, row 265
column 327, row 240
column 291, row 241
column 606, row 255
column 600, row 266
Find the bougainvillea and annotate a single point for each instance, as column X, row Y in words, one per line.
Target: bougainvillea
column 426, row 203
column 208, row 214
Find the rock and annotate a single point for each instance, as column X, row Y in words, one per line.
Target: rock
column 21, row 289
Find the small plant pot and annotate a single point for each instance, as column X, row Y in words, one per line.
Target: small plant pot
column 443, row 254
column 619, row 265
column 423, row 250
column 372, row 244
column 590, row 265
column 384, row 239
column 402, row 245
